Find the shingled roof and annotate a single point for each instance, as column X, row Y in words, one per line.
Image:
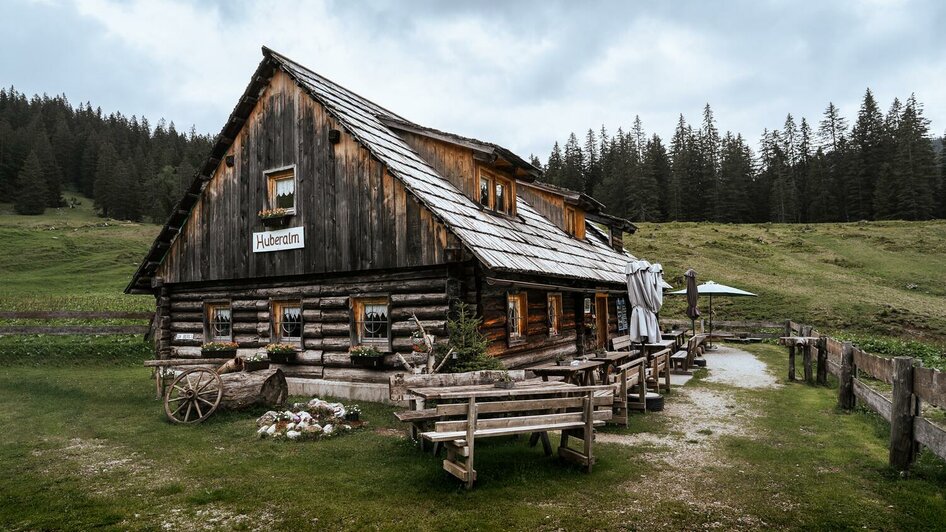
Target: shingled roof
column 530, row 244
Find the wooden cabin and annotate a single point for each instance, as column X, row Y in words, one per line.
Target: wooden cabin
column 378, row 219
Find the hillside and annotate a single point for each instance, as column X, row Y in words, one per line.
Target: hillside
column 70, row 259
column 872, row 277
column 885, row 278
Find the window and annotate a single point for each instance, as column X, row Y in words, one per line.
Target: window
column 281, row 186
column 517, row 315
column 371, row 321
column 502, row 196
column 484, row 192
column 287, row 322
column 219, row 322
column 497, row 193
column 555, row 314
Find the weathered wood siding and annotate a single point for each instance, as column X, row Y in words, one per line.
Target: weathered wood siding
column 547, row 204
column 453, row 162
column 538, row 346
column 355, row 214
column 326, row 318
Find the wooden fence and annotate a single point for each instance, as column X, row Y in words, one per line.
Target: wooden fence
column 728, row 329
column 911, row 386
column 10, row 330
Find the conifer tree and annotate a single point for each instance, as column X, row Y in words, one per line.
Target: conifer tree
column 31, row 187
column 555, row 165
column 680, row 146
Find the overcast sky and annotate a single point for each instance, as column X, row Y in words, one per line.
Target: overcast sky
column 521, row 74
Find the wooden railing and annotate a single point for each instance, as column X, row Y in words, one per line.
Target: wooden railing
column 9, row 330
column 911, row 384
column 730, row 328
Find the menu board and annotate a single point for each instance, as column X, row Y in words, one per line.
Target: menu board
column 622, row 314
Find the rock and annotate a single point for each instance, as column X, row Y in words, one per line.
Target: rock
column 301, row 426
column 271, row 430
column 267, row 419
column 298, row 406
column 314, row 428
column 328, row 429
column 291, row 426
column 346, row 427
column 305, row 416
column 262, row 432
column 293, row 434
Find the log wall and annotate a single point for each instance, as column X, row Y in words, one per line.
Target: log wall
column 326, row 316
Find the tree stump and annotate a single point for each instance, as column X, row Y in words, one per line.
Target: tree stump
column 246, row 389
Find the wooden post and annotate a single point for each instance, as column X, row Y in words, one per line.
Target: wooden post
column 846, row 387
column 470, row 437
column 806, row 361
column 902, row 414
column 589, row 433
column 791, row 362
column 788, row 328
column 823, row 360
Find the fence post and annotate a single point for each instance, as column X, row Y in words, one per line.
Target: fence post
column 788, row 328
column 823, row 360
column 846, row 387
column 901, row 414
column 806, row 361
column 791, row 362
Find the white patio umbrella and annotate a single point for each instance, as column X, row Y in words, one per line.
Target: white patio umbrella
column 645, row 294
column 711, row 288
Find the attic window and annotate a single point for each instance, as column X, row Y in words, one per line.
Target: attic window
column 497, row 193
column 281, row 189
column 575, row 222
column 570, row 226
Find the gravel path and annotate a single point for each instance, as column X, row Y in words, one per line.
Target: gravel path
column 736, row 367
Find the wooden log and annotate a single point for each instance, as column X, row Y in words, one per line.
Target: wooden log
column 334, row 303
column 791, row 362
column 823, row 361
column 243, row 390
column 846, row 385
column 432, row 312
column 902, row 414
column 418, row 299
column 806, row 362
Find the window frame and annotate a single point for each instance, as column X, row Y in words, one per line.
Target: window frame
column 209, row 307
column 493, row 179
column 522, row 306
column 554, row 302
column 356, row 305
column 275, row 312
column 277, row 174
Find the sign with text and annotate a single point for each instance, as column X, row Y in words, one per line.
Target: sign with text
column 291, row 238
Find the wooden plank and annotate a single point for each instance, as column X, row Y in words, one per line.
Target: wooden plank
column 877, row 367
column 522, row 405
column 456, row 470
column 877, row 402
column 932, row 436
column 505, row 431
column 930, row 386
column 400, row 383
column 547, row 389
column 522, row 421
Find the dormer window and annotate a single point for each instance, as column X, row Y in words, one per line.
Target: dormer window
column 497, row 193
column 574, row 222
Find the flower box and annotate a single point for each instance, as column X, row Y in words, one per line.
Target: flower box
column 276, row 221
column 366, row 356
column 255, row 365
column 218, row 350
column 368, row 362
column 281, row 353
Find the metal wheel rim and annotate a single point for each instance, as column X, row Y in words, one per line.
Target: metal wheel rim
column 193, row 396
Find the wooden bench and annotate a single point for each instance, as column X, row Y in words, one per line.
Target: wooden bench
column 626, row 376
column 621, row 343
column 682, row 360
column 574, row 411
column 659, row 367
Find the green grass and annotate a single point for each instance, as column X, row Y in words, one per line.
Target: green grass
column 883, row 279
column 70, row 259
column 88, row 447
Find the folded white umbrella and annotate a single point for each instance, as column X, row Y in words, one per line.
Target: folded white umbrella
column 645, row 294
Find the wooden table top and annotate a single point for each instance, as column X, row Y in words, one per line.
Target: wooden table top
column 672, row 334
column 611, row 356
column 527, row 387
column 661, row 344
column 555, row 369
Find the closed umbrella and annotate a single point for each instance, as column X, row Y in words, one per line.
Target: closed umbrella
column 645, row 294
column 711, row 289
column 693, row 295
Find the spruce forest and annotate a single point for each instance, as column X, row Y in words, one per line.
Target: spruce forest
column 887, row 166
column 133, row 170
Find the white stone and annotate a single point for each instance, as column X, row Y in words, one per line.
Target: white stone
column 328, row 429
column 271, row 430
column 290, row 426
column 293, row 434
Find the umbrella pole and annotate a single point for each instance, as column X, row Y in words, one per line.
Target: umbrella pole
column 711, row 346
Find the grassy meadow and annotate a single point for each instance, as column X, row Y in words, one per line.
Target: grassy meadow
column 87, row 445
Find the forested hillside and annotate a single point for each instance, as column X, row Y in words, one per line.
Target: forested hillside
column 133, row 170
column 884, row 167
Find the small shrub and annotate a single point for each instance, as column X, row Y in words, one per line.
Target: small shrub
column 468, row 343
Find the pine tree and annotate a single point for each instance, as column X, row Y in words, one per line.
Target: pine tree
column 31, row 187
column 868, row 154
column 592, row 164
column 555, row 166
column 52, row 175
column 106, row 188
column 656, row 165
column 734, row 177
column 680, row 146
column 574, row 166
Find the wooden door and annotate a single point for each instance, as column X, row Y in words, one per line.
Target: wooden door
column 601, row 320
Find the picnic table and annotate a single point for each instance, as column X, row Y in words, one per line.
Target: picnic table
column 581, row 373
column 676, row 336
column 658, row 346
column 611, row 360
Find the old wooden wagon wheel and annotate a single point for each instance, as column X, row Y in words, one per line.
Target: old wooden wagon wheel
column 193, row 396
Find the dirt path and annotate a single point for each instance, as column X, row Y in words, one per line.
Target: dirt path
column 697, row 417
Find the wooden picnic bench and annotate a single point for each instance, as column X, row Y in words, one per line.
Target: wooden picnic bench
column 682, row 360
column 573, row 410
column 627, row 375
column 581, row 373
column 621, row 343
column 659, row 367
